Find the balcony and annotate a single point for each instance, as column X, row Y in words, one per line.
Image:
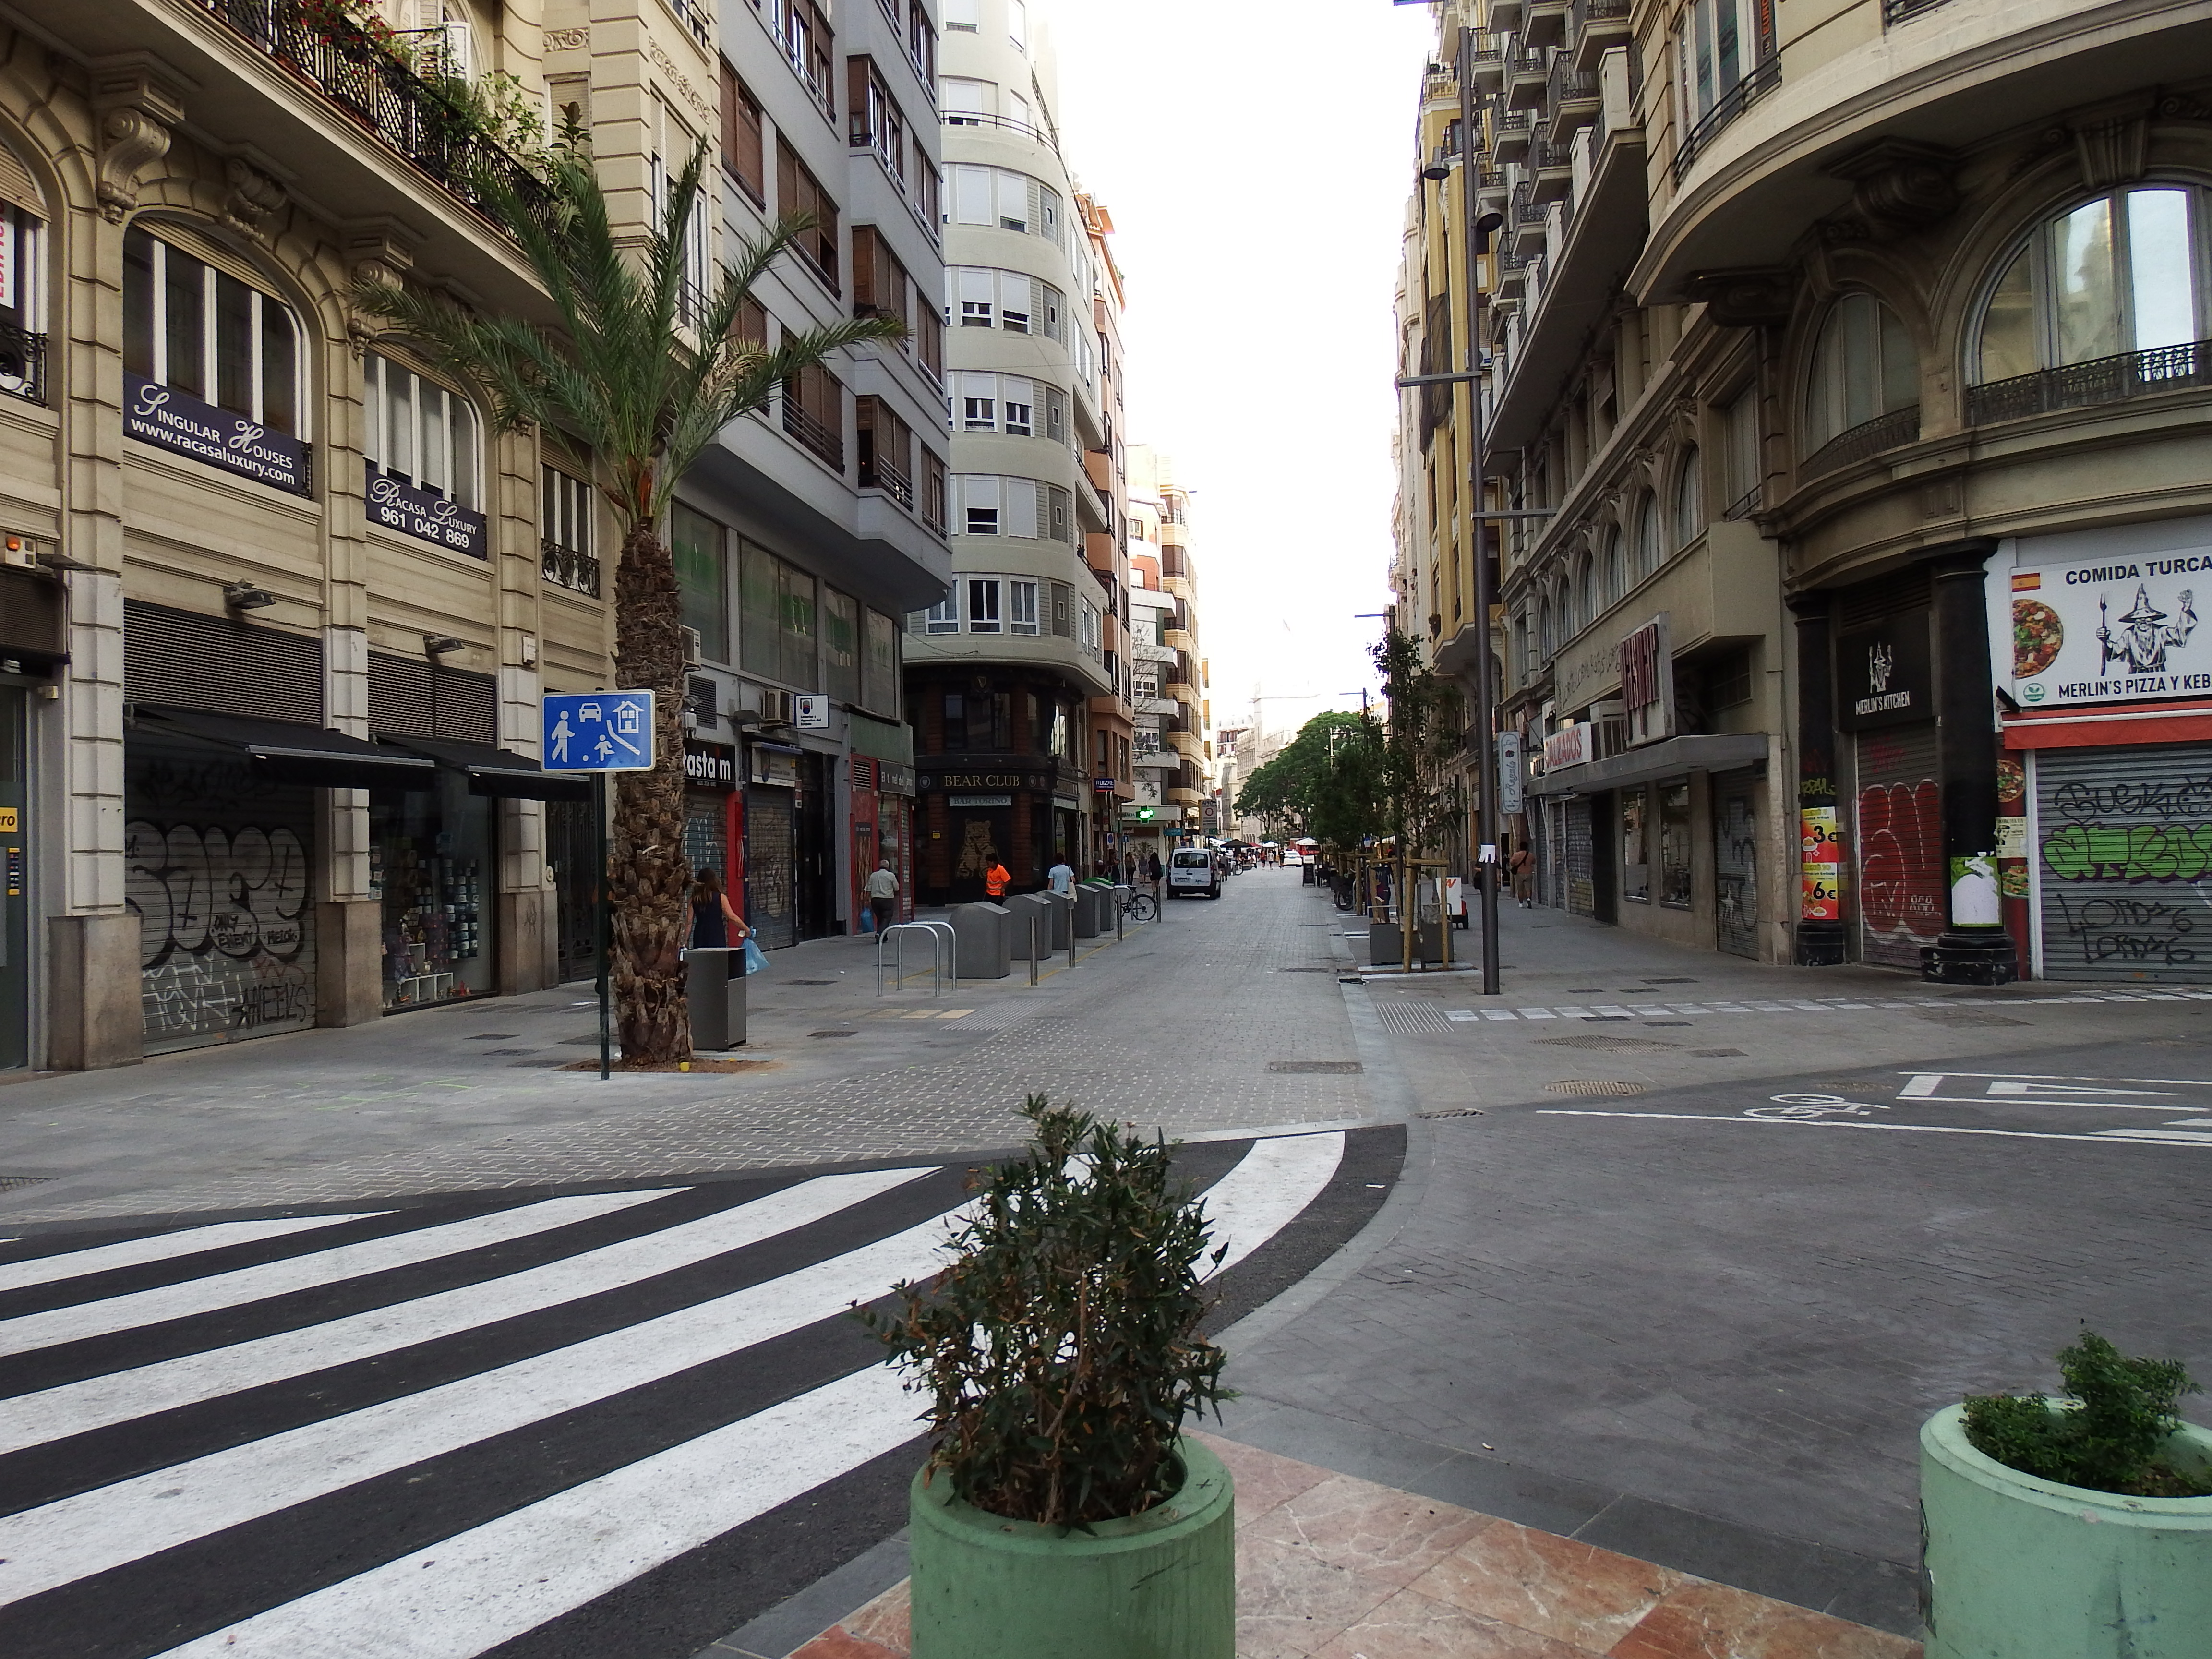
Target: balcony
column 1554, row 166
column 1510, row 135
column 1512, row 276
column 1765, row 75
column 1528, row 79
column 812, row 434
column 1503, row 16
column 1546, row 24
column 1182, row 691
column 1098, row 468
column 336, row 55
column 1574, row 100
column 1440, row 86
column 1186, row 746
column 1530, row 224
column 564, row 567
column 1490, row 192
column 1898, row 427
column 1489, row 72
column 1595, row 27
column 2100, row 381
column 1894, row 12
column 1179, row 639
column 22, row 363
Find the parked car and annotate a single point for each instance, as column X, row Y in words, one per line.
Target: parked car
column 1193, row 870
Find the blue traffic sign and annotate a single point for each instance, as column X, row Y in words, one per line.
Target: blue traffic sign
column 598, row 732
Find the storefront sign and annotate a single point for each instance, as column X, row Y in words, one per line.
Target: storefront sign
column 893, row 778
column 810, row 712
column 979, row 800
column 1103, row 785
column 986, row 781
column 1820, row 865
column 773, row 766
column 1509, row 774
column 1647, row 683
column 2109, row 631
column 710, row 765
column 1882, row 674
column 1570, row 746
column 161, row 415
column 426, row 517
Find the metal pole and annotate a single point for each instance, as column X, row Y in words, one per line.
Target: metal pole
column 599, row 831
column 1485, row 870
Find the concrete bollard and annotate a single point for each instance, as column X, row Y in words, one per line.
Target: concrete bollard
column 982, row 945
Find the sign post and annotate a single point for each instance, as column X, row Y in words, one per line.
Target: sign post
column 598, row 733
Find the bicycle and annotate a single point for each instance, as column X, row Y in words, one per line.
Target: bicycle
column 1141, row 906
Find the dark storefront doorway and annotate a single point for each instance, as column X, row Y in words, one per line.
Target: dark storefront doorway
column 15, row 882
column 572, row 851
column 814, row 850
column 770, row 901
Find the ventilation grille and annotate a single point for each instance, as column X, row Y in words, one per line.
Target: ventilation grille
column 1593, row 1086
column 410, row 699
column 221, row 665
column 1895, row 595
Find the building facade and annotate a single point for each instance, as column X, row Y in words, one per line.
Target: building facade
column 1174, row 743
column 1009, row 687
column 1854, row 354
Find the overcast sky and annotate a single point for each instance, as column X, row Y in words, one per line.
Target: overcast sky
column 1256, row 159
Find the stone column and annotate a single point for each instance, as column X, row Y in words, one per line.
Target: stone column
column 1975, row 949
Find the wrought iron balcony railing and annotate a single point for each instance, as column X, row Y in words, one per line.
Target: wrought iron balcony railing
column 2100, row 381
column 824, row 440
column 1899, row 426
column 1899, row 11
column 881, row 475
column 1765, row 75
column 22, row 363
column 564, row 567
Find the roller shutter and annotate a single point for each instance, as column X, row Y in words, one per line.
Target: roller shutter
column 1897, row 842
column 2124, row 863
column 225, row 666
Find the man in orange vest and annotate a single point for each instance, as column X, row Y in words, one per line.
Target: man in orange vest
column 995, row 879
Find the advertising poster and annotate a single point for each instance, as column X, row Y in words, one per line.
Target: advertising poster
column 2120, row 629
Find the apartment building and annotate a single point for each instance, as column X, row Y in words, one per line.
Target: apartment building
column 1174, row 744
column 278, row 601
column 1858, row 357
column 1010, row 688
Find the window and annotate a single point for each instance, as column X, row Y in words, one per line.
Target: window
column 702, row 579
column 1728, row 683
column 943, row 617
column 808, row 44
column 1647, row 550
column 1018, row 23
column 1635, row 847
column 1021, row 607
column 873, row 120
column 1689, row 498
column 840, row 646
column 984, row 614
column 1614, row 567
column 979, row 504
column 564, row 527
column 1006, row 300
column 798, row 621
column 1741, row 422
column 928, row 340
column 921, row 44
column 936, row 490
column 698, row 231
column 743, row 139
column 1008, row 200
column 2124, row 273
column 966, row 103
column 881, row 287
column 1724, row 44
column 886, row 450
column 966, row 16
column 1674, row 845
column 880, row 686
column 420, row 433
column 202, row 332
column 1586, row 600
column 996, row 402
column 797, row 191
column 760, row 644
column 1863, row 367
column 814, row 413
column 955, row 722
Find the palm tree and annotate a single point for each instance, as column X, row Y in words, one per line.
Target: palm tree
column 641, row 392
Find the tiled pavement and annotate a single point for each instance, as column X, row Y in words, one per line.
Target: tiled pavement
column 1330, row 1566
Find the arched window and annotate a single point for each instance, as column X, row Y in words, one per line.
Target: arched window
column 1863, row 367
column 2124, row 273
column 1586, row 600
column 1689, row 499
column 1647, row 536
column 1544, row 630
column 1616, row 573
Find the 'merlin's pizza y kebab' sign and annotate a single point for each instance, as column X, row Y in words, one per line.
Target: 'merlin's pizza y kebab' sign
column 2109, row 631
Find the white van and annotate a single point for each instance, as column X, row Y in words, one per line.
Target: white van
column 1191, row 870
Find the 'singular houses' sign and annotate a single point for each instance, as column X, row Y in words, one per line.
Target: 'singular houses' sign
column 174, row 420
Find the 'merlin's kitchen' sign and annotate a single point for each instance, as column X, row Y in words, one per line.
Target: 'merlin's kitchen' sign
column 397, row 505
column 1882, row 676
column 161, row 415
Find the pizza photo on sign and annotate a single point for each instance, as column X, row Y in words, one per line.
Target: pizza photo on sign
column 2038, row 636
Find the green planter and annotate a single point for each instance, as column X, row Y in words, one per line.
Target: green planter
column 1159, row 1585
column 2018, row 1568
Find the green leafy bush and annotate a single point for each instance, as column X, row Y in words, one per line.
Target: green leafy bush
column 1060, row 1348
column 2108, row 1438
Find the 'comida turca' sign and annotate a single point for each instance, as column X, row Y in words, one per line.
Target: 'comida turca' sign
column 2109, row 631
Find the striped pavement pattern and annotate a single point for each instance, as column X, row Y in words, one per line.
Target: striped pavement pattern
column 462, row 1426
column 1394, row 1016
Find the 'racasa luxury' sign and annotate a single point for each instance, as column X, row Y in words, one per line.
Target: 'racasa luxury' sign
column 174, row 420
column 397, row 505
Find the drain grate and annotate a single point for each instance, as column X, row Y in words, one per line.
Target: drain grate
column 1329, row 968
column 1593, row 1086
column 1456, row 1111
column 1330, row 1068
column 809, row 981
column 1967, row 1017
column 492, row 1036
column 832, row 1034
column 1718, row 1054
column 1610, row 1044
column 1413, row 1018
column 9, row 1183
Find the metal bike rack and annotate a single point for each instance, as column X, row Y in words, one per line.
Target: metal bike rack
column 942, row 952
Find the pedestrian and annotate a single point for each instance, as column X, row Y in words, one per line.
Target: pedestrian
column 882, row 887
column 1521, row 867
column 716, row 925
column 997, row 879
column 1155, row 869
column 1062, row 879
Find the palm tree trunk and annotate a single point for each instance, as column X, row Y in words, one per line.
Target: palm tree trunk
column 650, row 877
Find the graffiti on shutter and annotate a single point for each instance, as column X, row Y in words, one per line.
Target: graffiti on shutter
column 1582, row 890
column 2123, row 856
column 1899, row 845
column 1736, row 869
column 769, row 905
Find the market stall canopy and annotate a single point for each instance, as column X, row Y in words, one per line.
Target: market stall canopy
column 500, row 773
column 285, row 752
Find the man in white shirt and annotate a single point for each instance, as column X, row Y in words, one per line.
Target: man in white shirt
column 882, row 889
column 1061, row 878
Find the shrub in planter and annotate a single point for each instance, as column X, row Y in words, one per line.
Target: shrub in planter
column 2079, row 1528
column 1061, row 1513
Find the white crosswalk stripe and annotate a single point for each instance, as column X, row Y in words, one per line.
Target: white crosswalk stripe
column 293, row 1439
column 1410, row 1019
column 160, row 1247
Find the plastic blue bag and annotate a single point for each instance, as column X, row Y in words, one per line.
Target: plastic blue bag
column 754, row 960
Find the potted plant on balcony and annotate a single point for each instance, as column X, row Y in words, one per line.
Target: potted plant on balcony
column 2079, row 1528
column 1061, row 1511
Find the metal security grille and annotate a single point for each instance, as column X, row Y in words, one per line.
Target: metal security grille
column 1581, row 889
column 1897, row 843
column 413, row 699
column 770, row 902
column 1736, row 868
column 2123, row 862
column 220, row 665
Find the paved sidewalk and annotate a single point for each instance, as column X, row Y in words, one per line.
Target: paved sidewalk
column 1332, row 1567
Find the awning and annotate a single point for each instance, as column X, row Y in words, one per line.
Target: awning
column 499, row 772
column 775, row 748
column 284, row 752
column 2096, row 727
column 1712, row 752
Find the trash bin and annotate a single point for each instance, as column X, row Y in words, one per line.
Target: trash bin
column 1063, row 918
column 717, row 999
column 1022, row 910
column 1086, row 911
column 980, row 941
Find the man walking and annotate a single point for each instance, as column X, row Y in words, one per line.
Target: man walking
column 997, row 879
column 882, row 887
column 1062, row 879
column 1521, row 867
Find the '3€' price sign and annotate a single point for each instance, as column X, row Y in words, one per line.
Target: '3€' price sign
column 597, row 732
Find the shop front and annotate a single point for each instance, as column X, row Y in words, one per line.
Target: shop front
column 712, row 820
column 882, row 801
column 1886, row 705
column 33, row 647
column 770, row 839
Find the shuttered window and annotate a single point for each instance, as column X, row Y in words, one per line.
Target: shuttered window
column 418, row 699
column 798, row 192
column 744, row 151
column 220, row 665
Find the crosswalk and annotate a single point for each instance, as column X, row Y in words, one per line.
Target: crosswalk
column 1417, row 1018
column 441, row 1430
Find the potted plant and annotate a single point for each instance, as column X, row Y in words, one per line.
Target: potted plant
column 2077, row 1528
column 1062, row 1514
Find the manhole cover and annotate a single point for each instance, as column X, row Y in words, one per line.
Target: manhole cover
column 1718, row 1054
column 809, row 981
column 1608, row 1044
column 1670, row 981
column 9, row 1183
column 1330, row 968
column 1457, row 1111
column 541, row 1065
column 1332, row 1067
column 832, row 1034
column 1967, row 1017
column 1593, row 1086
column 510, row 1051
column 493, row 1036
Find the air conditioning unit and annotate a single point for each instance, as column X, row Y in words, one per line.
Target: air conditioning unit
column 775, row 707
column 694, row 648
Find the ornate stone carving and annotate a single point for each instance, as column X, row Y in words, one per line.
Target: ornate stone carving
column 1743, row 299
column 380, row 250
column 1897, row 186
column 253, row 196
column 666, row 65
column 579, row 39
column 137, row 103
column 2114, row 152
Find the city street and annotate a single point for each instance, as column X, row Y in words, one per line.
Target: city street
column 1663, row 1250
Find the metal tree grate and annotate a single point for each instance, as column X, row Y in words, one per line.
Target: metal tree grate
column 1611, row 1044
column 9, row 1183
column 1332, row 1068
column 1593, row 1086
column 1413, row 1018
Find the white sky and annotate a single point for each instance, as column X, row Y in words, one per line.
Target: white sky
column 1256, row 158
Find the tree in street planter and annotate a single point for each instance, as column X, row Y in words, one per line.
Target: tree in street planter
column 1060, row 1350
column 2110, row 1436
column 617, row 368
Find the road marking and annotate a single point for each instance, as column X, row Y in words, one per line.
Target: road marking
column 161, row 1247
column 1838, row 1123
column 1270, row 1185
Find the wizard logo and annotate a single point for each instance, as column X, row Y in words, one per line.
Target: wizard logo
column 2145, row 633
